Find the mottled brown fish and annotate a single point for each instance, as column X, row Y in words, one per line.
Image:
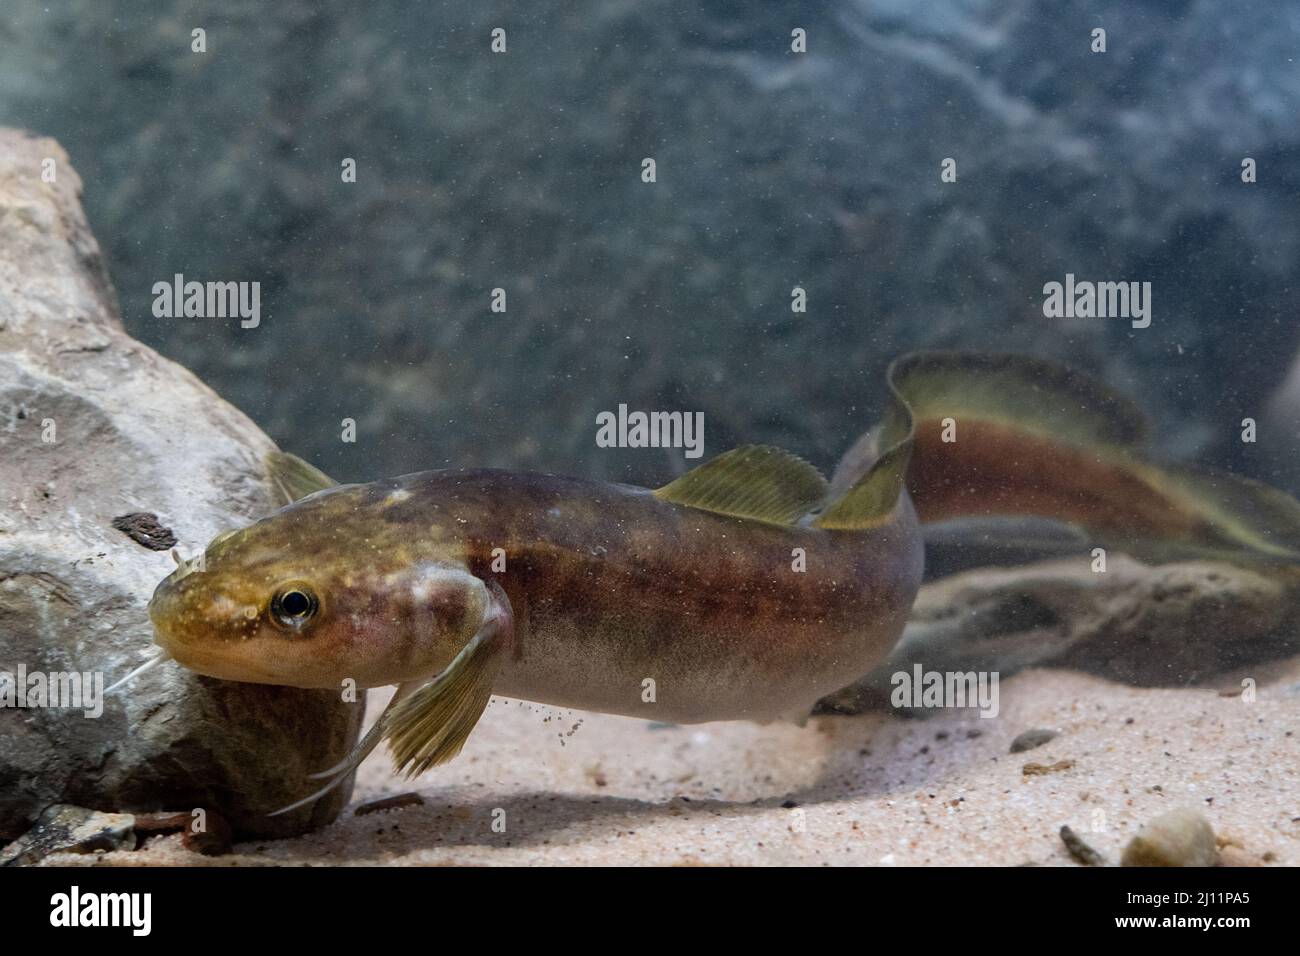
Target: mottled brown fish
column 748, row 588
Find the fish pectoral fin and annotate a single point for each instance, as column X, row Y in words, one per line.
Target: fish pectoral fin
column 293, row 478
column 752, row 481
column 430, row 726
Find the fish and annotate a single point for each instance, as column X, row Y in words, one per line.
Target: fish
column 746, row 589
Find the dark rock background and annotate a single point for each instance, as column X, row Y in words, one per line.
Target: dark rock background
column 522, row 171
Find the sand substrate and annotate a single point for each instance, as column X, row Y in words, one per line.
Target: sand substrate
column 538, row 786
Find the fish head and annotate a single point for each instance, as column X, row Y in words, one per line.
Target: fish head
column 318, row 594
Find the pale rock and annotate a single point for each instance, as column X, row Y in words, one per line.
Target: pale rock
column 1171, row 625
column 1180, row 837
column 133, row 432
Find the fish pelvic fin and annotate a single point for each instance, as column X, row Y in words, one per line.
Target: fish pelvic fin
column 992, row 435
column 293, row 478
column 758, row 482
column 430, row 726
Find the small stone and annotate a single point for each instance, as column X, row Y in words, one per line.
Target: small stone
column 1039, row 770
column 1178, row 838
column 395, row 802
column 1079, row 849
column 1236, row 856
column 144, row 528
column 1031, row 739
column 63, row 828
column 213, row 840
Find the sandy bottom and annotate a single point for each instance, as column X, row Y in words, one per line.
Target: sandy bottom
column 542, row 786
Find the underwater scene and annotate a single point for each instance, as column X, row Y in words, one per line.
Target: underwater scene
column 858, row 433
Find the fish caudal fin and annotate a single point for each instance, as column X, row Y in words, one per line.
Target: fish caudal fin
column 976, row 435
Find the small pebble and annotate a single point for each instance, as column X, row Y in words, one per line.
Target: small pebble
column 1031, row 739
column 1080, row 850
column 64, row 828
column 395, row 802
column 144, row 528
column 213, row 840
column 1038, row 769
column 1236, row 856
column 1178, row 838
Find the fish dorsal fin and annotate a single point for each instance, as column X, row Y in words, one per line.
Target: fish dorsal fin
column 752, row 481
column 293, row 478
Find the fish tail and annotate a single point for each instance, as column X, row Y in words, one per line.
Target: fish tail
column 989, row 435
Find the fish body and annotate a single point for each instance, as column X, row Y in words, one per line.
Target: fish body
column 608, row 587
column 748, row 588
column 614, row 588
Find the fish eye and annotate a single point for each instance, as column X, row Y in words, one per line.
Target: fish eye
column 293, row 606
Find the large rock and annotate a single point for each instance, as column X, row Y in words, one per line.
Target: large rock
column 1172, row 625
column 95, row 426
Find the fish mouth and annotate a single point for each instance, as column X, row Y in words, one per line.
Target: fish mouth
column 164, row 652
column 196, row 655
column 154, row 609
column 162, row 635
column 163, row 615
column 204, row 654
column 160, row 603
